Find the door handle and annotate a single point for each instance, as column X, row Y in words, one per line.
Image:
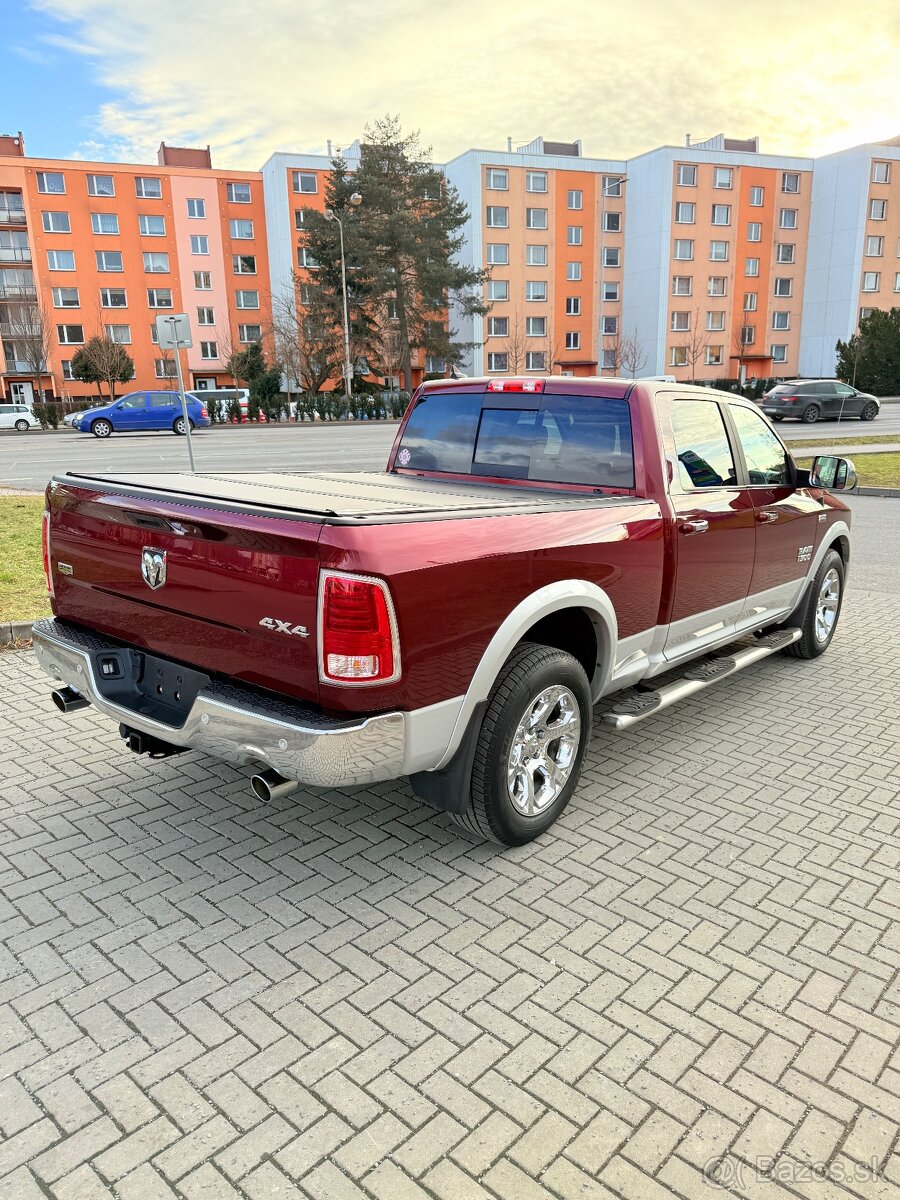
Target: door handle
column 766, row 514
column 694, row 525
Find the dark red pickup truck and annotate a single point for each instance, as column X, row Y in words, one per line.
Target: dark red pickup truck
column 534, row 545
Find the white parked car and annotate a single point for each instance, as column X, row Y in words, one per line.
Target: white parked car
column 18, row 416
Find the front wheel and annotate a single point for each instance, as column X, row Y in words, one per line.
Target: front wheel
column 531, row 745
column 778, row 418
column 22, row 426
column 820, row 613
column 178, row 427
column 810, row 414
column 870, row 412
column 101, row 428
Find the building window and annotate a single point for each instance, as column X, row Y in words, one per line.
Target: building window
column 877, row 210
column 784, row 252
column 237, row 193
column 751, row 267
column 199, row 243
column 498, row 289
column 610, row 292
column 498, row 254
column 148, row 187
column 104, row 223
column 897, row 281
column 679, row 356
column 70, row 335
column 497, row 217
column 154, row 333
column 787, row 218
column 249, row 333
column 721, row 214
column 101, row 185
column 65, row 297
column 713, row 356
column 781, row 320
column 757, row 197
column 243, row 264
column 203, row 281
column 779, row 353
column 66, row 364
column 305, row 294
column 536, row 256
column 536, row 289
column 573, row 306
column 682, row 285
column 535, row 360
column 871, row 281
column 196, row 207
column 574, row 235
column 535, row 326
column 684, row 249
column 575, row 199
column 573, row 339
column 51, row 183
column 754, row 231
column 61, row 260
column 535, row 218
column 300, row 219
column 206, row 316
column 609, row 360
column 687, row 175
column 159, row 297
column 722, row 177
column 165, row 368
column 612, row 222
column 573, row 271
column 109, row 260
column 156, row 262
column 113, row 298
column 685, row 212
column 306, row 260
column 305, row 181
column 680, row 322
column 498, row 326
column 209, row 350
column 715, row 321
column 241, row 230
column 498, row 361
column 784, row 287
column 610, row 326
column 716, row 285
column 750, row 301
column 881, row 172
column 748, row 335
column 612, row 185
column 152, row 226
column 56, row 222
column 874, row 246
column 718, row 251
column 120, row 334
column 865, row 312
column 612, row 256
column 535, row 181
column 497, row 180
column 246, row 299
column 790, row 182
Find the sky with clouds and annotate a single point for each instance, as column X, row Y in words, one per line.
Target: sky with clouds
column 112, row 78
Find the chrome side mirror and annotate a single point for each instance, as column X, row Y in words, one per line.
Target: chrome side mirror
column 835, row 474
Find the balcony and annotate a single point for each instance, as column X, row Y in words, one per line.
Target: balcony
column 17, row 291
column 15, row 254
column 18, row 366
column 12, row 216
column 16, row 330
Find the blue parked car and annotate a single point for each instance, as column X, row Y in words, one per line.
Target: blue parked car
column 142, row 410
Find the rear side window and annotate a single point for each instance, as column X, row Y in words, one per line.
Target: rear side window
column 550, row 439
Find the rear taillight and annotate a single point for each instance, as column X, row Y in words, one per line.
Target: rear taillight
column 204, row 411
column 357, row 630
column 45, row 550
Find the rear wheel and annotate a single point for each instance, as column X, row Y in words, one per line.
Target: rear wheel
column 178, row 426
column 869, row 412
column 810, row 414
column 22, row 426
column 778, row 418
column 820, row 613
column 530, row 748
column 101, row 428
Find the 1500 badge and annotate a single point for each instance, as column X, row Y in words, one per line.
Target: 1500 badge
column 284, row 627
column 804, row 554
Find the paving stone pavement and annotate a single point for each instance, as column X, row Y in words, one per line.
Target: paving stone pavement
column 337, row 997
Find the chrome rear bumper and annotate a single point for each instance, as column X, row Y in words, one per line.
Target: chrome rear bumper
column 237, row 724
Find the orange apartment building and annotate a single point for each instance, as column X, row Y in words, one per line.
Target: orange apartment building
column 107, row 247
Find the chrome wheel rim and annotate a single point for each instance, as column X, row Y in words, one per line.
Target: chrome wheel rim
column 827, row 605
column 102, row 428
column 543, row 751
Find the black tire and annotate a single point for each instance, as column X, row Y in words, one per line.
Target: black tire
column 811, row 645
column 778, row 418
column 810, row 414
column 22, row 426
column 101, row 428
column 529, row 670
column 178, row 426
column 869, row 412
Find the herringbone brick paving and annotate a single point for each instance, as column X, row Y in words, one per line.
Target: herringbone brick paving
column 338, row 997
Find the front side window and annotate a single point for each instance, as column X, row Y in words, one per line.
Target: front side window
column 203, row 281
column 767, row 462
column 713, row 356
column 783, row 287
column 680, row 321
column 610, row 291
column 785, row 252
column 121, row 334
column 874, row 246
column 199, row 243
column 781, row 320
column 206, row 316
column 148, row 187
column 682, row 285
column 573, row 306
column 881, row 172
column 209, row 350
column 101, row 185
column 871, row 281
column 612, row 185
column 238, row 193
column 610, row 326
column 56, row 222
column 535, row 360
column 701, row 445
column 715, row 321
column 716, row 285
column 790, row 182
column 751, row 267
column 877, row 210
column 65, row 297
column 750, row 301
column 104, row 223
column 612, row 256
column 779, row 353
column 109, row 260
column 249, row 333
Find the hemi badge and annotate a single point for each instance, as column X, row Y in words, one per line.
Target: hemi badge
column 65, row 568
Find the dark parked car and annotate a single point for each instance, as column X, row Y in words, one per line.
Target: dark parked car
column 811, row 399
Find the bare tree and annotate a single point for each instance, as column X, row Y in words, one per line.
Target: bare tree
column 634, row 355
column 695, row 342
column 514, row 344
column 742, row 340
column 309, row 328
column 31, row 331
column 611, row 349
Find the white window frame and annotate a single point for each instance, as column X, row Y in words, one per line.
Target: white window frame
column 612, row 257
column 573, row 306
column 751, row 268
column 535, row 360
column 720, row 211
column 612, row 222
column 680, row 243
column 536, row 327
column 751, row 301
column 492, row 249
column 498, row 326
column 209, row 351
column 788, row 218
column 54, row 257
column 92, row 186
column 573, row 339
column 573, row 271
column 757, row 196
column 140, row 187
column 113, row 336
column 781, row 319
column 678, row 290
column 713, row 357
column 97, row 219
column 871, row 281
column 790, row 176
column 496, row 216
column 206, row 315
column 535, row 255
column 103, row 268
column 107, row 292
column 48, row 227
column 786, row 246
column 610, row 326
column 498, row 362
column 498, row 290
column 199, row 208
column 610, row 291
column 575, row 200
column 715, row 320
column 685, row 212
column 713, row 255
column 240, row 303
column 153, row 297
column 200, row 243
column 574, row 235
column 680, row 321
column 712, row 285
column 726, row 176
column 885, row 173
column 779, row 286
column 237, row 259
column 539, row 287
column 537, row 214
column 686, row 175
column 754, row 231
column 237, row 229
column 778, row 352
column 66, row 340
column 678, row 356
column 56, row 295
column 536, row 176
column 877, row 209
column 492, row 174
column 245, row 337
column 144, row 222
column 876, row 240
column 43, row 176
column 202, row 281
column 150, row 255
column 232, row 195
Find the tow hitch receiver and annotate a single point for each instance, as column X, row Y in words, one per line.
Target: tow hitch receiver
column 146, row 743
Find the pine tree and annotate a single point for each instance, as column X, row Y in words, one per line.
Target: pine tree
column 870, row 359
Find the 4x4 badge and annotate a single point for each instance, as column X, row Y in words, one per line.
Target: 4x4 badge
column 153, row 567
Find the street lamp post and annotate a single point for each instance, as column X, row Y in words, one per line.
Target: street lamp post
column 605, row 190
column 330, row 215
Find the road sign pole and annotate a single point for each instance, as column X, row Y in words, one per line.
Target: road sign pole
column 184, row 409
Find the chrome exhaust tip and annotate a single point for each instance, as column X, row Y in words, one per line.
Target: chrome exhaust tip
column 68, row 700
column 272, row 785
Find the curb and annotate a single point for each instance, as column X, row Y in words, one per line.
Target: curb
column 12, row 632
column 893, row 493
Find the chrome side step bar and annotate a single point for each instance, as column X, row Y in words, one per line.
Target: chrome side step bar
column 637, row 706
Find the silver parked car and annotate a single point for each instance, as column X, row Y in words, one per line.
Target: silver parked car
column 811, row 400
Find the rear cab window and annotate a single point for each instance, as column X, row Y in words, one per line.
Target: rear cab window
column 542, row 438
